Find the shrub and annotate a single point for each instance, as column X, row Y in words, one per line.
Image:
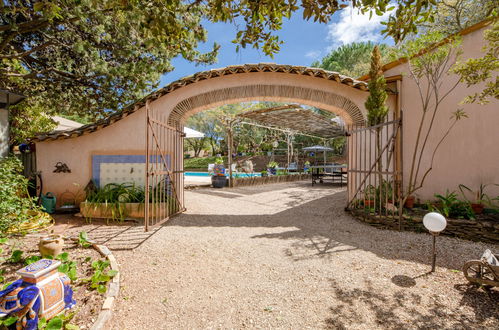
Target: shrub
column 16, row 207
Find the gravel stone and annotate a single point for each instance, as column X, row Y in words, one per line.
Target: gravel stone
column 287, row 256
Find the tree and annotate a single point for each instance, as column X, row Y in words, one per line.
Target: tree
column 375, row 103
column 352, row 59
column 90, row 55
column 484, row 69
column 427, row 70
column 452, row 16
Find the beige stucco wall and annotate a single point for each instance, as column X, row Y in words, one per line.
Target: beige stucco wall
column 127, row 136
column 470, row 154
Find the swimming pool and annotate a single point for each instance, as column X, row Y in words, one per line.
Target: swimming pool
column 240, row 175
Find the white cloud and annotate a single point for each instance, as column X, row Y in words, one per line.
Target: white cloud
column 355, row 26
column 313, row 54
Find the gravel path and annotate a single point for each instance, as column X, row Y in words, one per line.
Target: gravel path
column 287, row 256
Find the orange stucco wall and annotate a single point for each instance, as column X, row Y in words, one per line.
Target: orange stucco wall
column 470, row 154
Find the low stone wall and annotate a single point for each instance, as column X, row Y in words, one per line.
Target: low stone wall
column 474, row 230
column 258, row 180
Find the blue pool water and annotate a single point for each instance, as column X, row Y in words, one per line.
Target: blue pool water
column 241, row 175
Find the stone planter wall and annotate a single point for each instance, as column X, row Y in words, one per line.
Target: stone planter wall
column 474, row 230
column 258, row 180
column 129, row 210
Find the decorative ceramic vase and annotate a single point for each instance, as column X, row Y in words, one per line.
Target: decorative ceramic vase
column 51, row 245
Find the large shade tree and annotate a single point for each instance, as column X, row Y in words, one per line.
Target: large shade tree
column 90, row 56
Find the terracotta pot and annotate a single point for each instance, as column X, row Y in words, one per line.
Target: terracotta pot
column 409, row 203
column 368, row 202
column 477, row 208
column 51, row 245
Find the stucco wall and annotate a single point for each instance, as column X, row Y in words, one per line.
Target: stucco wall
column 127, row 136
column 470, row 154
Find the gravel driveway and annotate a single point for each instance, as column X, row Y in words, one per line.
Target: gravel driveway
column 287, row 256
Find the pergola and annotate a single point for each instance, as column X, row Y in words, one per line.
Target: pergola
column 292, row 119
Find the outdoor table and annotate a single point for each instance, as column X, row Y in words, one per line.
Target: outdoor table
column 336, row 172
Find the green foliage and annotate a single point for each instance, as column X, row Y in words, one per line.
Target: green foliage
column 375, row 103
column 16, row 256
column 452, row 16
column 59, row 322
column 352, row 59
column 117, row 193
column 8, row 321
column 101, row 277
column 15, row 205
column 219, row 161
column 480, row 196
column 483, row 70
column 450, row 206
column 200, row 163
column 32, row 259
column 83, row 239
column 272, row 164
column 67, row 266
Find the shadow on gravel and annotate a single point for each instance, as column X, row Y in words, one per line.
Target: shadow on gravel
column 352, row 306
column 321, row 228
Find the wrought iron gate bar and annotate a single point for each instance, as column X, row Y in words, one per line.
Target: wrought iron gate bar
column 163, row 149
column 373, row 172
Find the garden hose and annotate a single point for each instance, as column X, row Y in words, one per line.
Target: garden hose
column 39, row 221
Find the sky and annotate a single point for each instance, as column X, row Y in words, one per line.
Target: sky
column 304, row 42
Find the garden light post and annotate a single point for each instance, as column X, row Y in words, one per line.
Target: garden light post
column 435, row 223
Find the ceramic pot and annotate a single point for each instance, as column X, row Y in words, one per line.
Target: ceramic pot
column 409, row 202
column 51, row 245
column 218, row 181
column 477, row 208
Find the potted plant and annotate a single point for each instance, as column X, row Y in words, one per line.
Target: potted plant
column 272, row 167
column 306, row 167
column 369, row 196
column 480, row 197
column 409, row 202
column 218, row 179
column 264, row 173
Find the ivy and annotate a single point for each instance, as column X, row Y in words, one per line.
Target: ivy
column 15, row 203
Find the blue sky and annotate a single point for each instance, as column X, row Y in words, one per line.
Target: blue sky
column 304, row 42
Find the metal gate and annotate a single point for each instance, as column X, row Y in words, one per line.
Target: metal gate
column 374, row 169
column 164, row 169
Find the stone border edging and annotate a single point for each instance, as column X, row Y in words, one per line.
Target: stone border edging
column 112, row 291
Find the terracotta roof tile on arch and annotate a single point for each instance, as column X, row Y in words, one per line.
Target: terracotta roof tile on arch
column 213, row 73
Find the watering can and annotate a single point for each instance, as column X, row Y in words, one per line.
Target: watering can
column 48, row 202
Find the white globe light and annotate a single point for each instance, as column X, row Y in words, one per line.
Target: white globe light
column 434, row 222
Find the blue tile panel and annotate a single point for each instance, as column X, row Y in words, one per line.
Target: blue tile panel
column 97, row 160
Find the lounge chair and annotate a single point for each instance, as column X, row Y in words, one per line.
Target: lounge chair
column 210, row 168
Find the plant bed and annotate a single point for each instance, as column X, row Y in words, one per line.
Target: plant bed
column 258, row 180
column 124, row 211
column 79, row 261
column 478, row 230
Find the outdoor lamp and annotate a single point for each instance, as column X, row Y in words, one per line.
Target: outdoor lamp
column 435, row 223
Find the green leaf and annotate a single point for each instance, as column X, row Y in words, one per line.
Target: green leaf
column 101, row 288
column 70, row 326
column 16, row 256
column 54, row 324
column 42, row 323
column 63, row 256
column 4, row 240
column 112, row 273
column 10, row 320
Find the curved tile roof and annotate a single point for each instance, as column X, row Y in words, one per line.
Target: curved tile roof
column 204, row 75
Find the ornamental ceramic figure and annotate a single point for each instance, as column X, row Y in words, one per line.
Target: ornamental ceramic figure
column 41, row 292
